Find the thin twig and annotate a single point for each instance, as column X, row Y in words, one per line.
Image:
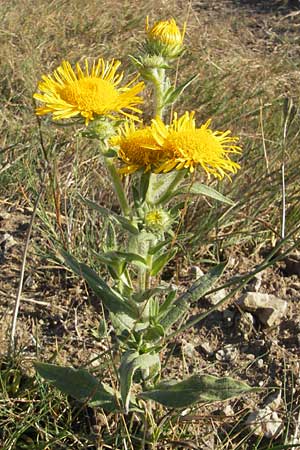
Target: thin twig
column 263, row 137
column 283, row 201
column 24, row 257
column 288, row 117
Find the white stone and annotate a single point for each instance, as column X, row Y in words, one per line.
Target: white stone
column 217, row 296
column 265, row 422
column 268, row 308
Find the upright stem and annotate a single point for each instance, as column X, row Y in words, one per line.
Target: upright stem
column 159, row 87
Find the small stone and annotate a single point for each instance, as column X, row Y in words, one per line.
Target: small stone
column 273, row 401
column 185, row 412
column 196, row 272
column 228, row 411
column 7, row 241
column 226, row 354
column 232, row 262
column 206, row 348
column 268, row 308
column 265, row 422
column 188, row 350
column 260, row 363
column 217, row 296
column 95, row 359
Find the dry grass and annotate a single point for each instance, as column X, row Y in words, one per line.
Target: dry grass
column 247, row 64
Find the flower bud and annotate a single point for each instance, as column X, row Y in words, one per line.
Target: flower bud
column 102, row 129
column 157, row 220
column 165, row 38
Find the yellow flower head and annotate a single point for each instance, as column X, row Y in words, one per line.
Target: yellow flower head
column 189, row 147
column 165, row 37
column 137, row 148
column 90, row 92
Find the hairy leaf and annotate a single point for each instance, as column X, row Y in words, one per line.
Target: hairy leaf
column 111, row 299
column 198, row 388
column 131, row 362
column 81, row 385
column 125, row 223
column 196, row 291
column 160, row 262
column 208, row 191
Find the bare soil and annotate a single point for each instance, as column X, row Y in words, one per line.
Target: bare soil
column 58, row 314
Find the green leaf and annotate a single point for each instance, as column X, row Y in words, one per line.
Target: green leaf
column 208, row 191
column 161, row 261
column 160, row 245
column 113, row 257
column 111, row 237
column 132, row 257
column 167, row 304
column 125, row 223
column 198, row 388
column 102, row 329
column 79, row 384
column 161, row 186
column 196, row 291
column 154, row 333
column 148, row 293
column 130, row 363
column 144, row 185
column 111, row 299
column 172, row 94
column 122, row 323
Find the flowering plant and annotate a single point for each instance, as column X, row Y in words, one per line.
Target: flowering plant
column 161, row 159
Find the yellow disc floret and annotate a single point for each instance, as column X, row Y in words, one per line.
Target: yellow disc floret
column 137, row 148
column 189, row 147
column 90, row 93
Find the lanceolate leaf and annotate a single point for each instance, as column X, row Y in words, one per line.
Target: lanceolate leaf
column 207, row 191
column 196, row 291
column 79, row 384
column 115, row 256
column 132, row 257
column 161, row 186
column 172, row 94
column 131, row 362
column 145, row 295
column 125, row 223
column 198, row 388
column 181, row 237
column 160, row 262
column 110, row 298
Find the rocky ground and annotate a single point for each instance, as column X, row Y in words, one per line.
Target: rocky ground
column 255, row 335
